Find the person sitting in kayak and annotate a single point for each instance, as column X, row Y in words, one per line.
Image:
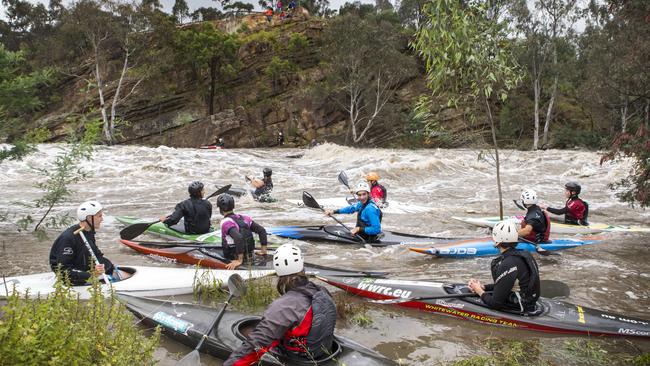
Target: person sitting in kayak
column 575, row 210
column 508, row 269
column 299, row 324
column 262, row 186
column 237, row 233
column 195, row 211
column 378, row 192
column 536, row 226
column 70, row 255
column 368, row 214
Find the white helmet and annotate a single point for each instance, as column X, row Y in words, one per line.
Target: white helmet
column 362, row 186
column 529, row 197
column 288, row 260
column 88, row 208
column 505, row 232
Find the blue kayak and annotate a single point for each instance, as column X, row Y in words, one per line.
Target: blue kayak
column 483, row 247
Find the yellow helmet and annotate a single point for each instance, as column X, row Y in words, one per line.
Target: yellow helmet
column 372, row 176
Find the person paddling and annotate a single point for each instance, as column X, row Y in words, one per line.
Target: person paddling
column 368, row 214
column 237, row 233
column 299, row 324
column 378, row 192
column 575, row 210
column 510, row 268
column 70, row 255
column 536, row 225
column 262, row 186
column 195, row 211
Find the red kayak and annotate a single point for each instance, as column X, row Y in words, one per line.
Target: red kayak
column 211, row 147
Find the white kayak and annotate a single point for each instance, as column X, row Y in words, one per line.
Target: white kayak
column 393, row 207
column 557, row 228
column 145, row 281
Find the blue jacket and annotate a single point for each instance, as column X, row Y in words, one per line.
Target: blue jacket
column 369, row 216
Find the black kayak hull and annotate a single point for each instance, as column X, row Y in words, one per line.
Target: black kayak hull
column 186, row 323
column 553, row 316
column 339, row 235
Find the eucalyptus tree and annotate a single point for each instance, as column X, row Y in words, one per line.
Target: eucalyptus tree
column 468, row 59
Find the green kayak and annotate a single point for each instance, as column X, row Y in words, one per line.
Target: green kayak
column 213, row 237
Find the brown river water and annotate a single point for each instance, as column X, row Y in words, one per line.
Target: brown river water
column 613, row 275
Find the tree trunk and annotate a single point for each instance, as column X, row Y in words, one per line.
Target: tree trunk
column 624, row 115
column 549, row 111
column 647, row 113
column 102, row 104
column 213, row 83
column 536, row 90
column 116, row 97
column 496, row 154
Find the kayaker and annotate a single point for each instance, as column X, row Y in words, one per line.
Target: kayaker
column 195, row 211
column 237, row 233
column 262, row 186
column 536, row 225
column 299, row 324
column 368, row 214
column 508, row 269
column 575, row 210
column 378, row 192
column 70, row 254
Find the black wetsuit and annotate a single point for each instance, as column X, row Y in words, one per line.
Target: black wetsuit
column 196, row 213
column 70, row 253
column 510, row 267
column 536, row 218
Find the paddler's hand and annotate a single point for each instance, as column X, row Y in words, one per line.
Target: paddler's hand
column 261, row 252
column 542, row 206
column 476, row 286
column 355, row 231
column 233, row 264
column 329, row 212
column 99, row 269
column 162, row 218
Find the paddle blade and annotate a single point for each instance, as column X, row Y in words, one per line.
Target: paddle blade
column 343, row 179
column 310, row 201
column 236, row 285
column 191, row 359
column 219, row 191
column 134, row 230
column 552, row 289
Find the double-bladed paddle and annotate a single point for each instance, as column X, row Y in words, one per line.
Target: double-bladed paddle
column 80, row 232
column 311, row 202
column 548, row 288
column 236, row 287
column 136, row 229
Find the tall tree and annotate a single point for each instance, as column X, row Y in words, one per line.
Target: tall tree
column 180, row 10
column 468, row 58
column 364, row 71
column 208, row 51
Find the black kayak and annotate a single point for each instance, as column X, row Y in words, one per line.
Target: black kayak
column 339, row 235
column 551, row 315
column 186, row 323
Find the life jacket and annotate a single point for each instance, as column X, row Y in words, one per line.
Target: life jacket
column 536, row 237
column 246, row 234
column 314, row 335
column 530, row 294
column 573, row 216
column 361, row 224
column 379, row 192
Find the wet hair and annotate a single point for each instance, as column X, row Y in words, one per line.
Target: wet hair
column 508, row 245
column 290, row 282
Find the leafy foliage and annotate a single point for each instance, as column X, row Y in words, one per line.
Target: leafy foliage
column 63, row 330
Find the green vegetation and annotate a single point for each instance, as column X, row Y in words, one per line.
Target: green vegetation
column 351, row 311
column 62, row 330
column 260, row 292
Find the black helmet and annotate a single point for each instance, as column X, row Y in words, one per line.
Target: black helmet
column 267, row 172
column 225, row 202
column 573, row 187
column 195, row 189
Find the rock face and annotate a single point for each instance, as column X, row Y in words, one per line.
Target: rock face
column 253, row 107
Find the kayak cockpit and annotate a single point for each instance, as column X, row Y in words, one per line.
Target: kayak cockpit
column 463, row 289
column 244, row 327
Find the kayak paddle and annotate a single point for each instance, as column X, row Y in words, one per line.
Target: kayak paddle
column 343, row 179
column 92, row 253
column 236, row 288
column 549, row 288
column 136, row 229
column 538, row 248
column 311, row 202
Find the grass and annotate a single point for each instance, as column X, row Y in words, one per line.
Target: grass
column 352, row 312
column 259, row 294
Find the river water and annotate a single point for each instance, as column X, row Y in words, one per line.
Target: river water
column 147, row 182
